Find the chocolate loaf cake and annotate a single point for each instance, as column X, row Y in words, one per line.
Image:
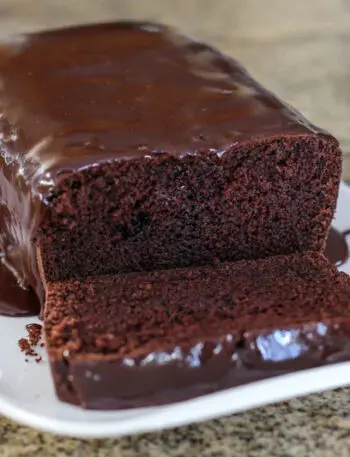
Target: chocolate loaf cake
column 126, row 147
column 152, row 338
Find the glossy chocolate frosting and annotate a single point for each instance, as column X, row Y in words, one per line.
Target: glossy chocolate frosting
column 15, row 300
column 337, row 250
column 72, row 98
column 208, row 368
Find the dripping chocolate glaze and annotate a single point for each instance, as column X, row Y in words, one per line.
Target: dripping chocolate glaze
column 189, row 88
column 15, row 301
column 336, row 248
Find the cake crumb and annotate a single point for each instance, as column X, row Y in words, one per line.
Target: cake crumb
column 34, row 333
column 29, row 344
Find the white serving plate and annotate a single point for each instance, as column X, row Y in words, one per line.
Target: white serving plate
column 27, row 394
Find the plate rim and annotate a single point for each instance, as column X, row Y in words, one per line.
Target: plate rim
column 285, row 387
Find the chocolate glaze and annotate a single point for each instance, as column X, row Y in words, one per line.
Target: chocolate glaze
column 14, row 300
column 76, row 97
column 260, row 355
column 337, row 250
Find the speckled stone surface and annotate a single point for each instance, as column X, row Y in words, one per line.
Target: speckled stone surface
column 316, row 426
column 301, row 50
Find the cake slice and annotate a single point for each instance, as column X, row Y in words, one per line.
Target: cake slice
column 127, row 147
column 153, row 338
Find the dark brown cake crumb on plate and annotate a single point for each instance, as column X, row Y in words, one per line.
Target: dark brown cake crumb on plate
column 30, row 344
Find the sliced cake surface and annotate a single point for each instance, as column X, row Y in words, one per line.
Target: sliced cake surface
column 152, row 338
column 128, row 147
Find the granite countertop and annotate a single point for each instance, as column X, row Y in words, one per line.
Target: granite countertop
column 300, row 50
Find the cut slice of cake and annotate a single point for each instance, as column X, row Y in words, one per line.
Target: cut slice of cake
column 153, row 338
column 128, row 147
